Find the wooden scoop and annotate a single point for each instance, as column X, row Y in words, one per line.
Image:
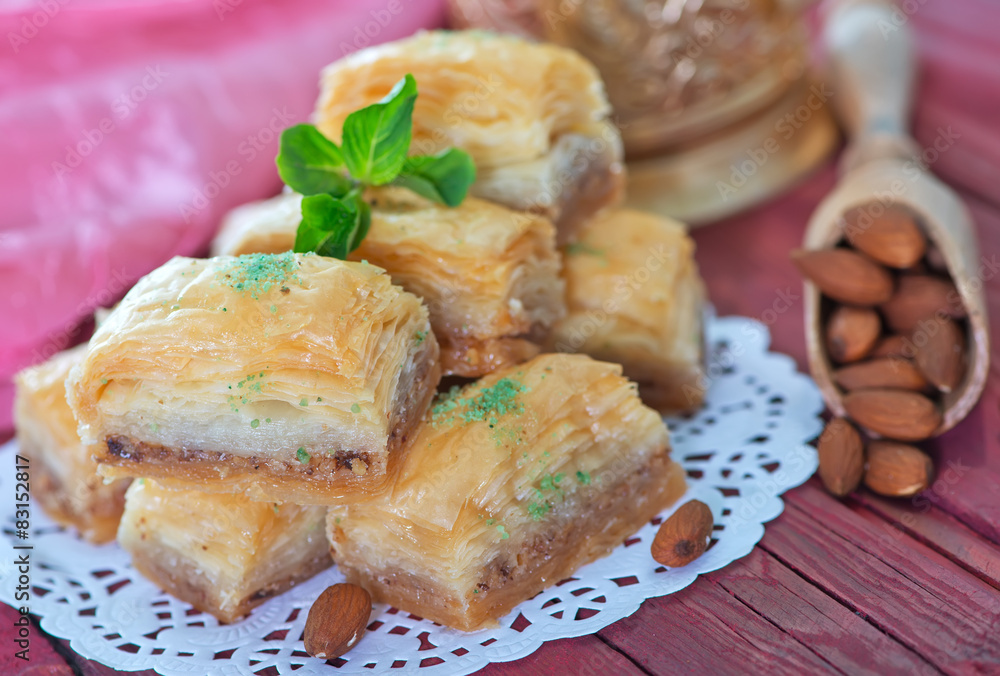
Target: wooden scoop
column 872, row 82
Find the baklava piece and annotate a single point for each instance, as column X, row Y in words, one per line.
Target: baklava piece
column 488, row 275
column 534, row 117
column 64, row 477
column 291, row 378
column 634, row 297
column 513, row 482
column 223, row 554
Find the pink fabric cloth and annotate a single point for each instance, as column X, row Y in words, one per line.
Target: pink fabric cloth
column 128, row 128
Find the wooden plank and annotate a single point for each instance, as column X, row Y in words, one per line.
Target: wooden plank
column 704, row 629
column 940, row 531
column 583, row 656
column 816, row 620
column 43, row 660
column 906, row 589
column 959, row 87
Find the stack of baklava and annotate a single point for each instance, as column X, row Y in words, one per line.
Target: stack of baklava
column 272, row 408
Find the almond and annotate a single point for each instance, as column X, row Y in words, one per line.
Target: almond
column 897, row 470
column 941, row 357
column 897, row 414
column 894, row 346
column 920, row 298
column 845, row 275
column 893, row 238
column 890, row 373
column 683, row 537
column 851, row 332
column 841, row 457
column 337, row 621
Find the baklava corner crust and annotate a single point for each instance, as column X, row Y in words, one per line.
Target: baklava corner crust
column 223, row 554
column 64, row 477
column 299, row 384
column 513, row 482
column 634, row 296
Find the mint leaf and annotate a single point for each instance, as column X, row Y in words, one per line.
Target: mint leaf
column 332, row 226
column 311, row 163
column 377, row 138
column 444, row 178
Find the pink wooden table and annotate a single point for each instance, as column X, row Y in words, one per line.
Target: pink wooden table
column 866, row 585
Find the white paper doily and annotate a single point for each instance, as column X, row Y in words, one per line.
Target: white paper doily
column 746, row 447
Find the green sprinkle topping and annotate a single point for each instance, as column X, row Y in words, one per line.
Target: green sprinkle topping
column 257, row 274
column 446, row 402
column 104, row 381
column 581, row 248
column 551, row 482
column 420, row 335
column 583, row 478
column 304, row 402
column 494, row 402
column 275, row 506
column 267, row 420
column 274, row 309
column 355, row 408
column 538, row 509
column 255, row 423
column 503, row 532
column 302, row 455
column 490, row 405
column 153, row 427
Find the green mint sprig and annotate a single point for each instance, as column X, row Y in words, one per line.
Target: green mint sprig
column 373, row 151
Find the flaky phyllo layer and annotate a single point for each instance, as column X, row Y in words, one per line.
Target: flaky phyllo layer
column 634, row 297
column 533, row 116
column 488, row 275
column 499, row 475
column 223, row 554
column 64, row 478
column 292, row 377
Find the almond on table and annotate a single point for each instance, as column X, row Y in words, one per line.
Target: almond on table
column 337, row 620
column 841, row 457
column 897, row 470
column 683, row 537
